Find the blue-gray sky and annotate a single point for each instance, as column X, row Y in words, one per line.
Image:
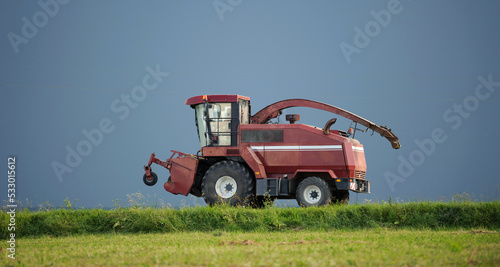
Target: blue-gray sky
column 416, row 66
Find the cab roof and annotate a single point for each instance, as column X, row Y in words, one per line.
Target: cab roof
column 214, row 99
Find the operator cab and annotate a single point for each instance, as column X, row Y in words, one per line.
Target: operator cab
column 217, row 118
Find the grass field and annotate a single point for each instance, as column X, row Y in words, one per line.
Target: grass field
column 374, row 247
column 463, row 233
column 418, row 215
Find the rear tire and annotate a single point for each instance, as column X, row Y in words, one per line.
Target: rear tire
column 313, row 191
column 228, row 182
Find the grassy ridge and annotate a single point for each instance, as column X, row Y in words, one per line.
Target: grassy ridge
column 419, row 215
column 365, row 247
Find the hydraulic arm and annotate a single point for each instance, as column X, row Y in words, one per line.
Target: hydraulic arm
column 273, row 110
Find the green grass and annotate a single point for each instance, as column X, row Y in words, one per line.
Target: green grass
column 460, row 233
column 419, row 215
column 362, row 247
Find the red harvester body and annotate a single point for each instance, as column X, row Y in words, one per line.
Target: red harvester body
column 244, row 160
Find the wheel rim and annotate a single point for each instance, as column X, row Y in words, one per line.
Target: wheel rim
column 312, row 194
column 226, row 187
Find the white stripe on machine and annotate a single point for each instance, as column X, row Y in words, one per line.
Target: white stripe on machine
column 298, row 148
column 358, row 148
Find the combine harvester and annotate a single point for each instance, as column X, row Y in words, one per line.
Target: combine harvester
column 244, row 159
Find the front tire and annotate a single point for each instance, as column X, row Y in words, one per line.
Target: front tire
column 150, row 181
column 228, row 182
column 313, row 191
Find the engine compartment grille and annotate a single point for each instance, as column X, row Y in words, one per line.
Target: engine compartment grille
column 359, row 175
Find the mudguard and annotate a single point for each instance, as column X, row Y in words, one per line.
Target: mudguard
column 182, row 171
column 182, row 175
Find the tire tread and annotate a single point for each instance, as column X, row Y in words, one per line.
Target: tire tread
column 224, row 166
